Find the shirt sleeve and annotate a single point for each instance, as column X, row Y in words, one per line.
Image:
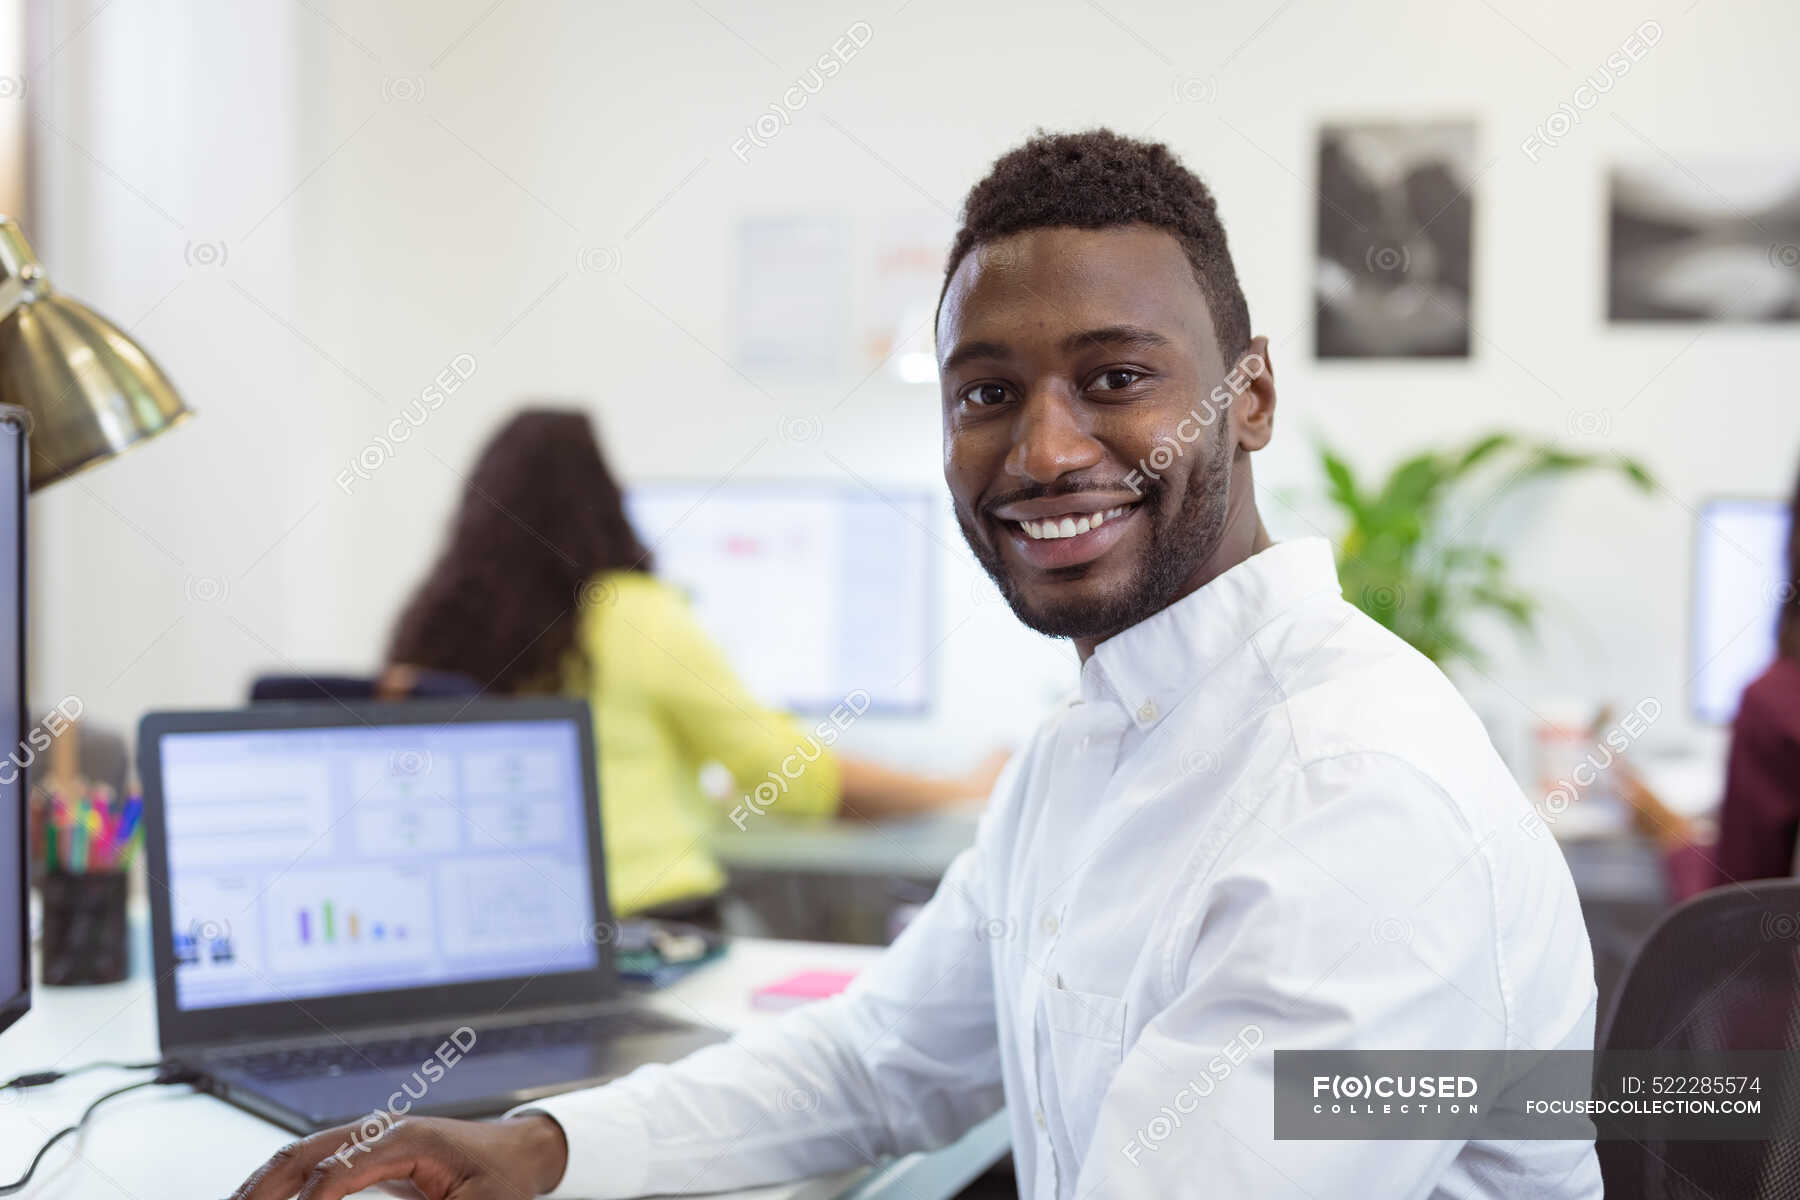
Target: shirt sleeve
column 1362, row 918
column 906, row 1059
column 776, row 765
column 1760, row 817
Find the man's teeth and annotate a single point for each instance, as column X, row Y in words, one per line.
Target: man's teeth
column 1070, row 526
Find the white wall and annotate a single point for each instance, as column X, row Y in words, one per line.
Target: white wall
column 401, row 183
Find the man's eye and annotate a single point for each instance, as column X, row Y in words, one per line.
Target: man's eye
column 1116, row 379
column 985, row 395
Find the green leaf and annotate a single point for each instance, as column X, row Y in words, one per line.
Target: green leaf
column 1517, row 607
column 1343, row 483
column 1401, row 562
column 1638, row 474
column 1412, row 486
column 1480, row 451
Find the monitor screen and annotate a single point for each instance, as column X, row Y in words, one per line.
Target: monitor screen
column 815, row 591
column 15, row 968
column 341, row 860
column 1740, row 568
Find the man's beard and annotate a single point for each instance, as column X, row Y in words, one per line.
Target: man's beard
column 1178, row 544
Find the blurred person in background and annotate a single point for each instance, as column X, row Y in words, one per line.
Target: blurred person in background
column 1760, row 818
column 545, row 589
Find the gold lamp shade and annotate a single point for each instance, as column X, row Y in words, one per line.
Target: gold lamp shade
column 90, row 391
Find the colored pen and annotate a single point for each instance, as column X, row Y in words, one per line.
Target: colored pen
column 127, row 840
column 78, row 838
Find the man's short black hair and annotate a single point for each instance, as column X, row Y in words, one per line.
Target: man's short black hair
column 1098, row 180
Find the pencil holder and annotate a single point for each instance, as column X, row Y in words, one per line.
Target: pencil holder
column 84, row 927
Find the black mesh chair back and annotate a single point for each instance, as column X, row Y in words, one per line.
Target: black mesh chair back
column 288, row 688
column 428, row 685
column 1719, row 972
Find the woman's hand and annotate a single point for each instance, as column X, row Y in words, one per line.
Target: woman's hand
column 443, row 1159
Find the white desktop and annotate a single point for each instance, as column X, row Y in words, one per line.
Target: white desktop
column 173, row 1143
column 815, row 590
column 1740, row 569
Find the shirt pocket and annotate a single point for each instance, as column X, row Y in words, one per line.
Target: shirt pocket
column 1087, row 1043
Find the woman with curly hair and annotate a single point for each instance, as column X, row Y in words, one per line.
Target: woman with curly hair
column 544, row 588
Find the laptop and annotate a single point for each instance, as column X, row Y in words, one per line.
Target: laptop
column 370, row 906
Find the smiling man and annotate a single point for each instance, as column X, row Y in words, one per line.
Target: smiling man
column 1079, row 359
column 1263, row 823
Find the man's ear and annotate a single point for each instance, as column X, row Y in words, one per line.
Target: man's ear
column 1253, row 408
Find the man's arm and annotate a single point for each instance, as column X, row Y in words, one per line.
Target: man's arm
column 906, row 1059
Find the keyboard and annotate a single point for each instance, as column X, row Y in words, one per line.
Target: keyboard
column 339, row 1058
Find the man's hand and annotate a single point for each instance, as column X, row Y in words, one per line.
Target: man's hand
column 512, row 1159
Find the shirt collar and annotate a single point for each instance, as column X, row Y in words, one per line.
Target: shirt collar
column 1151, row 666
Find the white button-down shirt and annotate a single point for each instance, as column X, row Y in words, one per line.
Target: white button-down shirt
column 1265, row 823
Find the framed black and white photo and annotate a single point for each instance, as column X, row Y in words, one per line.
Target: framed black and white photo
column 1395, row 236
column 1703, row 242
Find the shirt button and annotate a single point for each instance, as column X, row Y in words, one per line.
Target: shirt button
column 1147, row 711
column 1085, row 739
column 1038, row 1116
column 1048, row 924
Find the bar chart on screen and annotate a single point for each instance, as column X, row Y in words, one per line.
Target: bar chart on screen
column 323, row 919
column 216, row 936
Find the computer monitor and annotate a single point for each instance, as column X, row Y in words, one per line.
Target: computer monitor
column 815, row 590
column 15, row 963
column 1740, row 569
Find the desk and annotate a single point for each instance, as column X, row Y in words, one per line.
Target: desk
column 921, row 847
column 842, row 880
column 173, row 1144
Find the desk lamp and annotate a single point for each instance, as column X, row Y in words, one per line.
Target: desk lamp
column 76, row 391
column 89, row 390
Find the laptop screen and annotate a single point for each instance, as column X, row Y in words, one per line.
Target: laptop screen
column 332, row 861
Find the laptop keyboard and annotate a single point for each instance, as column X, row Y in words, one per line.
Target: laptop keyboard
column 339, row 1058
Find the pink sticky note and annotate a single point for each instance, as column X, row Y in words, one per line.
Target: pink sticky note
column 802, row 988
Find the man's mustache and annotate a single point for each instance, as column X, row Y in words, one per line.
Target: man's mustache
column 1144, row 489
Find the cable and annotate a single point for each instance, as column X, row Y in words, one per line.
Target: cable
column 166, row 1076
column 40, row 1078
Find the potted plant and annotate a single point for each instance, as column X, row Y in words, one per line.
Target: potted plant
column 1403, row 562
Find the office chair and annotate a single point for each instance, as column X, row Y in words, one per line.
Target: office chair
column 1719, row 972
column 428, row 685
column 278, row 688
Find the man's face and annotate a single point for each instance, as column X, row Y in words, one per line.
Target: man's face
column 1088, row 458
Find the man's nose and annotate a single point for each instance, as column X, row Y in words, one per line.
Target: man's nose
column 1051, row 437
